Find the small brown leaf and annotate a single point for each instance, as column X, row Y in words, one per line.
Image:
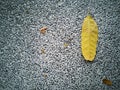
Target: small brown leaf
column 107, row 82
column 43, row 30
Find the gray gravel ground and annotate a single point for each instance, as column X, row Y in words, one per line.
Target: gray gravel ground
column 24, row 67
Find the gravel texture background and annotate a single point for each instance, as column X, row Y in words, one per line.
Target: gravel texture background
column 24, row 67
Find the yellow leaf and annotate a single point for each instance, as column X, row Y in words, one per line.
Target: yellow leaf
column 89, row 38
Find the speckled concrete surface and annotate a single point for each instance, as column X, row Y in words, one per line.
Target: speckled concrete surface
column 24, row 67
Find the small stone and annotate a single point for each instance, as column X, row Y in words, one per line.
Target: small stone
column 45, row 75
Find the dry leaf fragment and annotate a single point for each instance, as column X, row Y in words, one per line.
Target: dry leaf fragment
column 42, row 51
column 89, row 38
column 107, row 82
column 66, row 45
column 43, row 30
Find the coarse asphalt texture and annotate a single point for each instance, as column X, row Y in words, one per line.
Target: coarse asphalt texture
column 30, row 60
